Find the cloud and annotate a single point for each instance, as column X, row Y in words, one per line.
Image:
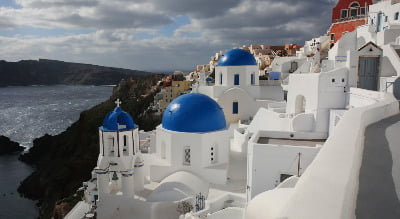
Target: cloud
column 79, row 14
column 5, row 23
column 265, row 21
column 196, row 8
column 114, row 30
column 113, row 48
column 55, row 3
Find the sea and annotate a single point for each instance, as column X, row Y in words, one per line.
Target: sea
column 27, row 113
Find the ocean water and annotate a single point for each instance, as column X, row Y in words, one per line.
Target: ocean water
column 27, row 113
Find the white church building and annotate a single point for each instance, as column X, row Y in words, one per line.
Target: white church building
column 237, row 88
column 193, row 137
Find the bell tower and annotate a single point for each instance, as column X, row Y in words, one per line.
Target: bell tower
column 119, row 152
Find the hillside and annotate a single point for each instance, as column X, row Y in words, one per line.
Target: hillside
column 48, row 72
column 64, row 161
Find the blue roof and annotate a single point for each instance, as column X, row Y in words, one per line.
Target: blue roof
column 118, row 120
column 194, row 113
column 274, row 75
column 236, row 57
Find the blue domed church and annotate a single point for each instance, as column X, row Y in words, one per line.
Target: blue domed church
column 119, row 167
column 193, row 137
column 237, row 88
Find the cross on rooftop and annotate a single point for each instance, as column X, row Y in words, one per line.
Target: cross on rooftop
column 118, row 102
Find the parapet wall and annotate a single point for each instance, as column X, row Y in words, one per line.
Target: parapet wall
column 332, row 178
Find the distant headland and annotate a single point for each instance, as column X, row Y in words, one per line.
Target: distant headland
column 50, row 72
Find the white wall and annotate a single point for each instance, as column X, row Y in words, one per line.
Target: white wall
column 267, row 161
column 200, row 153
column 332, row 178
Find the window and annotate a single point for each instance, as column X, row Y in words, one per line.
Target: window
column 353, row 12
column 332, row 36
column 186, row 155
column 386, row 18
column 354, row 5
column 333, row 80
column 396, row 16
column 213, row 158
column 362, row 11
column 252, row 79
column 235, row 108
column 125, row 140
column 220, row 78
column 343, row 13
column 125, row 145
column 236, row 79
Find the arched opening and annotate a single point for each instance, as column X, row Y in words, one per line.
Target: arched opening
column 354, row 6
column 110, row 143
column 163, row 150
column 220, row 78
column 125, row 145
column 300, row 104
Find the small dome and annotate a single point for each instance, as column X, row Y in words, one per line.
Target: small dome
column 118, row 120
column 236, row 57
column 193, row 113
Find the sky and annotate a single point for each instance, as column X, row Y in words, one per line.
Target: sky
column 152, row 35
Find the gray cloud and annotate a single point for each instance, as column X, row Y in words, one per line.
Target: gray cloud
column 5, row 23
column 215, row 26
column 196, row 8
column 112, row 18
column 56, row 3
column 270, row 21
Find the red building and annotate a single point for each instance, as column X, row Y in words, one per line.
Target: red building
column 347, row 15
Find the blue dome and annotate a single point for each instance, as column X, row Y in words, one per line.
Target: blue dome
column 236, row 57
column 118, row 120
column 193, row 113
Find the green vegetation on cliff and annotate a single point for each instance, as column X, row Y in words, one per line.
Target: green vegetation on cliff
column 66, row 160
column 49, row 72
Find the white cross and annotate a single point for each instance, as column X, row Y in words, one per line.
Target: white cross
column 118, row 102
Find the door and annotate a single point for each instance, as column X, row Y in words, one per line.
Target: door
column 368, row 73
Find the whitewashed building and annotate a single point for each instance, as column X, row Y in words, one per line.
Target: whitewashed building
column 237, row 88
column 193, row 137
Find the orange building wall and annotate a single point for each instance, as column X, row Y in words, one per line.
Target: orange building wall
column 347, row 26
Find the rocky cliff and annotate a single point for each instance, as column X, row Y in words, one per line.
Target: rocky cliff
column 7, row 146
column 64, row 161
column 48, row 72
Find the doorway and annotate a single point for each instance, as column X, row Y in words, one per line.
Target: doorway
column 368, row 73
